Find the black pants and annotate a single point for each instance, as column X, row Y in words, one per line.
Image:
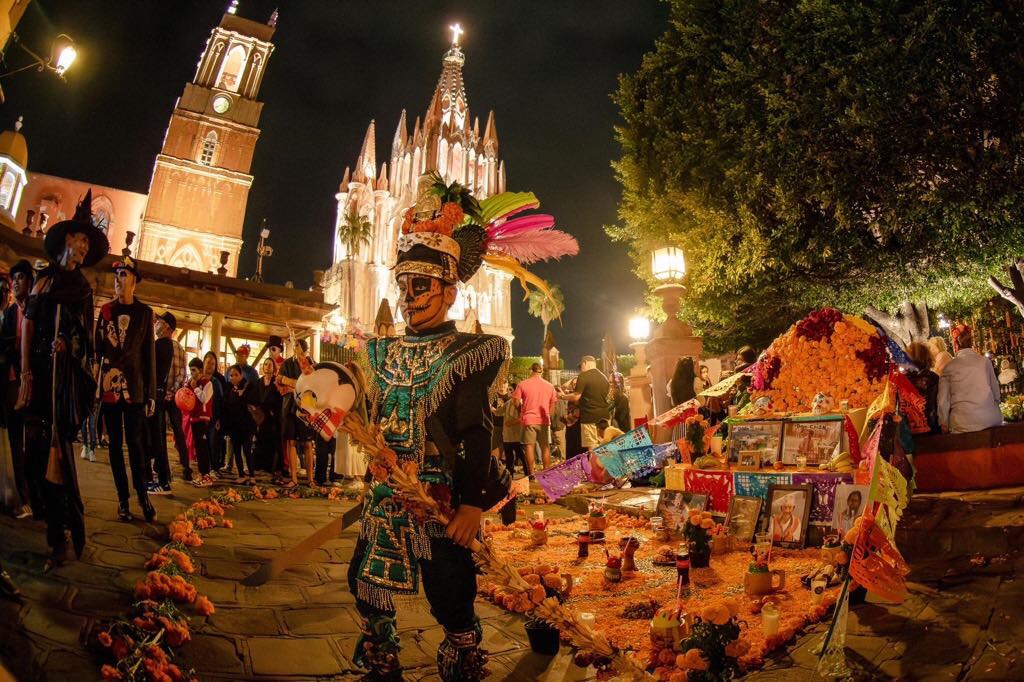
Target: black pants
column 241, row 443
column 513, row 451
column 267, row 446
column 16, row 437
column 218, row 448
column 201, row 443
column 156, row 427
column 449, row 582
column 125, row 422
column 324, row 456
column 172, row 416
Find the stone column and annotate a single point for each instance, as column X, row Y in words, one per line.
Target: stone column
column 638, row 385
column 672, row 340
column 216, row 332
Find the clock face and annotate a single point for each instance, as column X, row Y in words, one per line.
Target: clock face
column 221, row 104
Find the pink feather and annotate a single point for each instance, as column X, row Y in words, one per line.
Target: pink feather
column 536, row 245
column 536, row 221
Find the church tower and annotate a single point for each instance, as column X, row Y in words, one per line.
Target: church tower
column 201, row 180
column 446, row 141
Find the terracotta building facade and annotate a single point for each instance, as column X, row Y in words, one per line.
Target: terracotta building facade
column 201, row 180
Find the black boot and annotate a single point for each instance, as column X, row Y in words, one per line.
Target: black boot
column 147, row 509
column 123, row 512
column 460, row 658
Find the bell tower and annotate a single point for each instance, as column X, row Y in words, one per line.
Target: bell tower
column 201, row 180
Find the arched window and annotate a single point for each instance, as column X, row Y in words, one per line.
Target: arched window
column 209, row 147
column 7, row 189
column 231, row 71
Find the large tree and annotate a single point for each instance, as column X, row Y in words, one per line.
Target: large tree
column 812, row 152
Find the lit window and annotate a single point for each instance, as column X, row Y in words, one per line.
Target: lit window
column 231, row 71
column 7, row 189
column 209, row 147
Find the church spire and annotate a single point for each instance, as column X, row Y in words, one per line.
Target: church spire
column 401, row 133
column 366, row 165
column 491, row 134
column 450, row 95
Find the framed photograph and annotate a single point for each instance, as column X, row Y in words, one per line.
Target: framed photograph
column 817, row 441
column 789, row 508
column 675, row 505
column 850, row 501
column 763, row 436
column 742, row 519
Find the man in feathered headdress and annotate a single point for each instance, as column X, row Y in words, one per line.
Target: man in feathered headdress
column 429, row 392
column 56, row 347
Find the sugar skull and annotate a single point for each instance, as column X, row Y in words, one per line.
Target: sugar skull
column 822, row 404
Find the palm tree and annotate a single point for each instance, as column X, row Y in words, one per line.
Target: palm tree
column 355, row 232
column 546, row 308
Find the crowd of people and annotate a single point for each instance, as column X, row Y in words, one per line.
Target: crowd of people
column 121, row 379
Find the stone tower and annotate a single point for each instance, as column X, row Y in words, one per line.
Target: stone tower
column 446, row 140
column 201, row 180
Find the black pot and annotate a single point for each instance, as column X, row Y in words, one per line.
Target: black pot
column 543, row 639
column 700, row 558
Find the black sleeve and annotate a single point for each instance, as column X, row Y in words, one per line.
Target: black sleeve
column 473, row 430
column 149, row 354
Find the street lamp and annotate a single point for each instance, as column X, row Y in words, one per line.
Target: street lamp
column 62, row 56
column 668, row 264
column 263, row 250
column 639, row 328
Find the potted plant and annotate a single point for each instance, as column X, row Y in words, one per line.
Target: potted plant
column 697, row 531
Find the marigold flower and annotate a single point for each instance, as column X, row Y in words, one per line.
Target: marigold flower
column 695, row 660
column 109, row 672
column 717, row 614
column 204, row 607
column 105, row 639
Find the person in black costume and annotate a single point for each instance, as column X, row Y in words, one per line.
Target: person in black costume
column 125, row 349
column 22, row 276
column 56, row 349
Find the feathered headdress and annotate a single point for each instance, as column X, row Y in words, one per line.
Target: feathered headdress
column 465, row 233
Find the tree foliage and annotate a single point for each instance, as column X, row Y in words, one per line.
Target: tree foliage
column 546, row 308
column 812, row 152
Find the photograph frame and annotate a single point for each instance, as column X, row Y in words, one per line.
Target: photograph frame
column 795, row 436
column 839, row 504
column 668, row 506
column 742, row 433
column 803, row 516
column 753, row 514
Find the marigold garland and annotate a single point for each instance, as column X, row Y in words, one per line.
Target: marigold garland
column 142, row 644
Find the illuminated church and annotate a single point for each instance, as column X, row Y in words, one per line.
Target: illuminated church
column 446, row 140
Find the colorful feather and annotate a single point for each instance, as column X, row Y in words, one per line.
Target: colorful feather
column 525, row 277
column 536, row 245
column 535, row 221
column 505, row 204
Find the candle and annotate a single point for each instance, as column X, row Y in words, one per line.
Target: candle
column 588, row 619
column 818, row 590
column 770, row 619
column 539, row 515
column 733, row 410
column 801, row 461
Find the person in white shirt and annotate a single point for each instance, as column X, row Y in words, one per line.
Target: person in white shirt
column 968, row 390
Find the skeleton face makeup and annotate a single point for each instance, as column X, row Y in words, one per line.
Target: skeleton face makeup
column 124, row 283
column 424, row 301
column 76, row 248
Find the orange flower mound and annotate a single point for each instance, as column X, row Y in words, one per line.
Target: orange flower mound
column 184, row 532
column 109, row 672
column 716, row 593
column 842, row 356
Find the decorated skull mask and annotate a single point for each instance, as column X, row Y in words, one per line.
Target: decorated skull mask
column 822, row 404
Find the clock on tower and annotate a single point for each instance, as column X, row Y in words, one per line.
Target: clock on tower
column 201, row 179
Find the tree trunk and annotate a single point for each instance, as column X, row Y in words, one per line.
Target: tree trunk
column 909, row 324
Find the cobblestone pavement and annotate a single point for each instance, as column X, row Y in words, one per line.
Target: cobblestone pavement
column 303, row 625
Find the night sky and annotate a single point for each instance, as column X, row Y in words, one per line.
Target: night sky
column 546, row 68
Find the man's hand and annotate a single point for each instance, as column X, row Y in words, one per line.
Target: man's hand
column 150, row 408
column 59, row 346
column 463, row 528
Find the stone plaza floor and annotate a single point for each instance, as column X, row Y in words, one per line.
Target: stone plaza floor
column 303, row 625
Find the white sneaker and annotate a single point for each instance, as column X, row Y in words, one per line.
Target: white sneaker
column 89, row 454
column 84, row 454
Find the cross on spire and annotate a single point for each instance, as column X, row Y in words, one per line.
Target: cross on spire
column 457, row 31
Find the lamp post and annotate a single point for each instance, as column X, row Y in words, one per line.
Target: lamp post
column 62, row 55
column 263, row 250
column 672, row 339
column 638, row 381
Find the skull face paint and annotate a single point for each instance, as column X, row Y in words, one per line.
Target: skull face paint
column 424, row 301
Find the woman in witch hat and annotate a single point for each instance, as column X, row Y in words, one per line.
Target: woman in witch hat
column 56, row 349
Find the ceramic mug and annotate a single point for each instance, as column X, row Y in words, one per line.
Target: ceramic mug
column 764, row 582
